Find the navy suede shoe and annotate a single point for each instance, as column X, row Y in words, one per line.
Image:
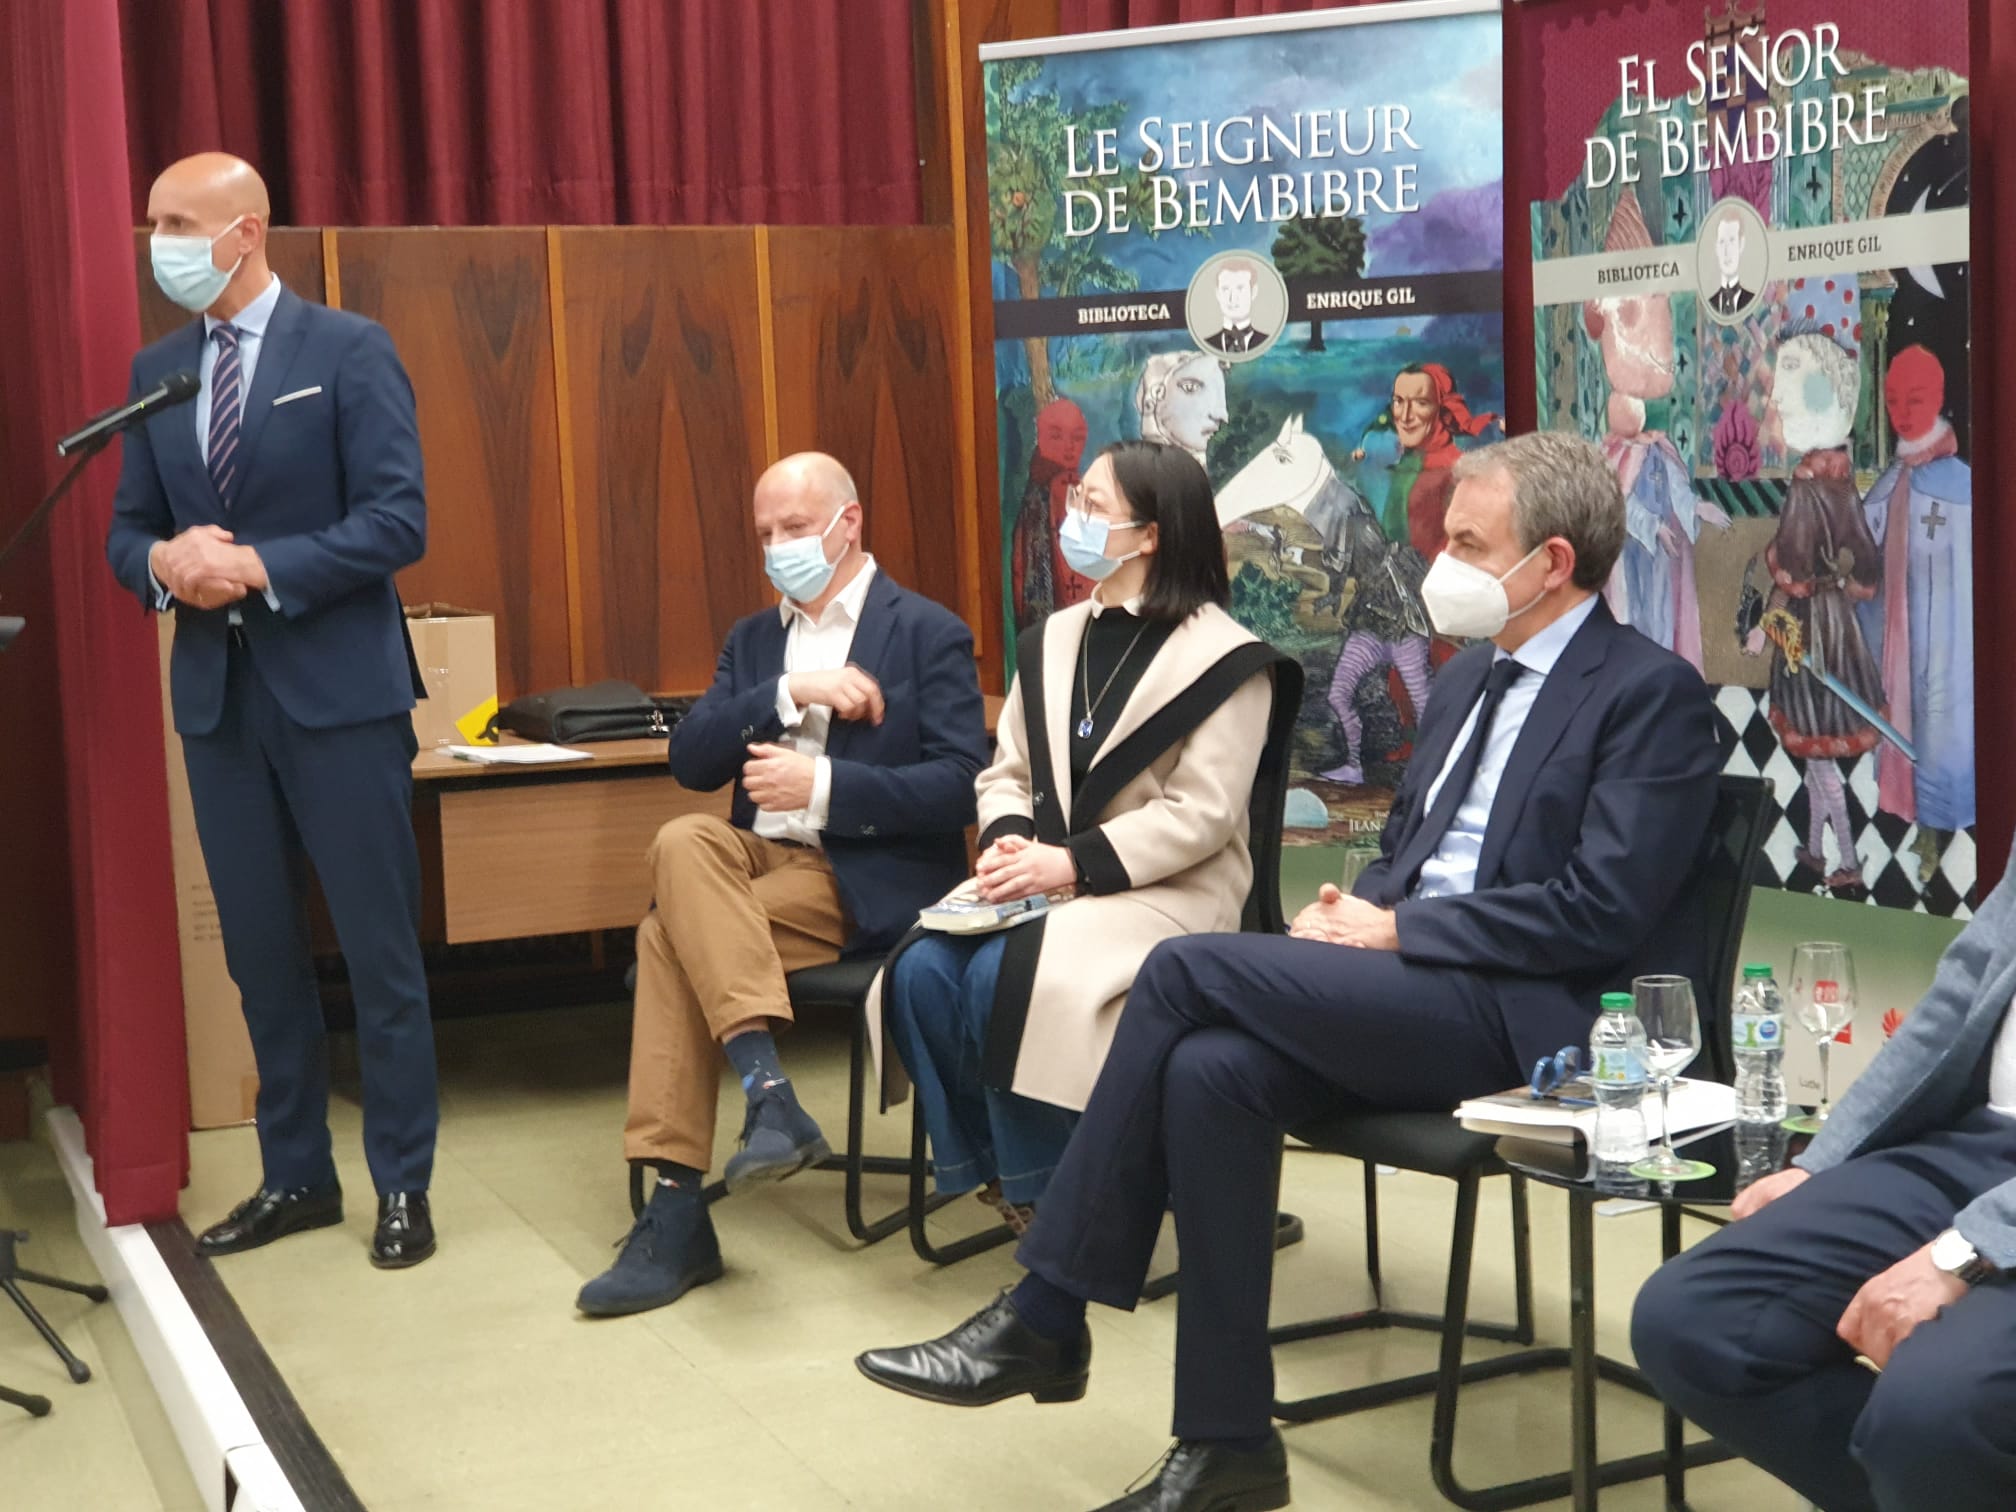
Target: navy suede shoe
column 670, row 1250
column 779, row 1139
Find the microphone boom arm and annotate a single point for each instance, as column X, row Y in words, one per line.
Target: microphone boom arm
column 11, row 625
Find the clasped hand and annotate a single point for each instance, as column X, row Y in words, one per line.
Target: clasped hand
column 1015, row 867
column 204, row 568
column 778, row 779
column 1890, row 1304
column 848, row 691
column 1337, row 918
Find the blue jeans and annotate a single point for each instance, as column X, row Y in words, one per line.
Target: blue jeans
column 941, row 999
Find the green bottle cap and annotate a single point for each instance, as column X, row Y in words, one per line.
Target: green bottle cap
column 1619, row 1002
column 1756, row 972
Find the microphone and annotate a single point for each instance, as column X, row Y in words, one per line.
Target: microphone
column 176, row 388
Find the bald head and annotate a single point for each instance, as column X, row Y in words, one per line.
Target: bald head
column 813, row 473
column 809, row 494
column 203, row 194
column 222, row 199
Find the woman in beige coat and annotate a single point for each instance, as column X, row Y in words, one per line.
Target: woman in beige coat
column 1129, row 747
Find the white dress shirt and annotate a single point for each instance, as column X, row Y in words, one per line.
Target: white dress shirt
column 1452, row 870
column 2002, row 1070
column 251, row 323
column 813, row 646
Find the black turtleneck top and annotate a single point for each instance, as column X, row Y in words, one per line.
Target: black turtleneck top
column 1104, row 654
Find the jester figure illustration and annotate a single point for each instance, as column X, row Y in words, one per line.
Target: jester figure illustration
column 1827, row 701
column 1426, row 418
column 1921, row 622
column 1652, row 585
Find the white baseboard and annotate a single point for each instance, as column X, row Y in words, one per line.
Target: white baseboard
column 216, row 1432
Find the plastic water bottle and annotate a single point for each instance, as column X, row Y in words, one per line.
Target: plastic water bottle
column 1617, row 1072
column 1757, row 1036
column 1760, row 1151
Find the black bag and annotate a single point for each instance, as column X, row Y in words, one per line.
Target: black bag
column 600, row 711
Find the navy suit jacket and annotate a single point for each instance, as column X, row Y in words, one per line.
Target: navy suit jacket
column 902, row 792
column 330, row 495
column 1598, row 827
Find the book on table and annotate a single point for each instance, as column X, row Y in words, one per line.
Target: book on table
column 1567, row 1115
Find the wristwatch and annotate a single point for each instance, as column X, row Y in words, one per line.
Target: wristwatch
column 1952, row 1254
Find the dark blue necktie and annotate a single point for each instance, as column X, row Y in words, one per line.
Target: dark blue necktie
column 1421, row 848
column 227, row 411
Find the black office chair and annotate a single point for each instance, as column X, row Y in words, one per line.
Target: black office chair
column 1261, row 914
column 17, row 1055
column 1435, row 1144
column 842, row 986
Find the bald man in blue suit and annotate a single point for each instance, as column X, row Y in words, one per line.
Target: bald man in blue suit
column 270, row 519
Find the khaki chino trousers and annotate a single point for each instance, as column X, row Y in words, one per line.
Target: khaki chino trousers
column 733, row 913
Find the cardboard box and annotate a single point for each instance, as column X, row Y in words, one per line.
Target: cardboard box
column 457, row 649
column 223, row 1079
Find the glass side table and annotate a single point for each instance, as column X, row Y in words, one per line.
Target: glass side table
column 1738, row 1163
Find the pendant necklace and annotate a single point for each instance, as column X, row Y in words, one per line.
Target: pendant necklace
column 1085, row 676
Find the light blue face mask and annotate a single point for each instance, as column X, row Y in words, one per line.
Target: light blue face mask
column 183, row 269
column 799, row 569
column 1083, row 541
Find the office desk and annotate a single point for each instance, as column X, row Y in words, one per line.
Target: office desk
column 513, row 851
column 507, row 852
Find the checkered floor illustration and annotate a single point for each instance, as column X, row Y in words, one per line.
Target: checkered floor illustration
column 1892, row 867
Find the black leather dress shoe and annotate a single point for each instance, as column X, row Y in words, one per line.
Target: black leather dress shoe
column 405, row 1234
column 1208, row 1477
column 989, row 1358
column 272, row 1213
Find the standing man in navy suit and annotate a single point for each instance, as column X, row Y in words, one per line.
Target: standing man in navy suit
column 849, row 720
column 1535, row 857
column 271, row 519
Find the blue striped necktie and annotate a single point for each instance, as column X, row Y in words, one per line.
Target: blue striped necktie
column 227, row 410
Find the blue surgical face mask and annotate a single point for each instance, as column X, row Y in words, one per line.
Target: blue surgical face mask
column 799, row 569
column 183, row 269
column 1083, row 540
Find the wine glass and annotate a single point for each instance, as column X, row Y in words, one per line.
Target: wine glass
column 1672, row 1040
column 1823, row 1001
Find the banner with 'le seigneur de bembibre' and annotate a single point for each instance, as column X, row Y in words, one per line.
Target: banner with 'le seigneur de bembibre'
column 1278, row 244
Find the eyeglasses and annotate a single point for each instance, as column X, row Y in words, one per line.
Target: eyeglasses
column 1074, row 500
column 1551, row 1072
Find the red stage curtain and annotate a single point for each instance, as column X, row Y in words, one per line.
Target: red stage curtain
column 1112, row 15
column 532, row 112
column 1993, row 46
column 81, row 685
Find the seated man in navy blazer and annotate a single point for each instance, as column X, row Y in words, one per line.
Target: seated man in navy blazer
column 849, row 719
column 271, row 516
column 1536, row 855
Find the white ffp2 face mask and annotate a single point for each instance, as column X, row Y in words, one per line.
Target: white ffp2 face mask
column 1468, row 603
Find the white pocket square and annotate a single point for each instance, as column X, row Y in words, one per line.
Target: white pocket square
column 297, row 394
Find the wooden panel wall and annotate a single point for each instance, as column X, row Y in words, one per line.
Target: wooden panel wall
column 665, row 413
column 469, row 312
column 596, row 403
column 865, row 314
column 974, row 23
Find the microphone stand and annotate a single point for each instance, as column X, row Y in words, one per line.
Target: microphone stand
column 11, row 625
column 11, row 1271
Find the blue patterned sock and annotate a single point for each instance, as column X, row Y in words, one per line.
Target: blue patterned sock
column 754, row 1057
